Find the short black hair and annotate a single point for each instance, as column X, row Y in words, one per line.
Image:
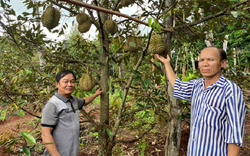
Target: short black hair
column 63, row 73
column 223, row 54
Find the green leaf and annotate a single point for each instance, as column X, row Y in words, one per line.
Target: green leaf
column 179, row 116
column 20, row 113
column 2, row 4
column 150, row 22
column 137, row 73
column 18, row 98
column 122, row 95
column 137, row 78
column 40, row 146
column 140, row 105
column 3, row 115
column 150, row 83
column 28, row 137
column 109, row 132
column 163, row 98
column 145, row 85
column 26, row 150
column 12, row 143
column 115, row 47
column 143, row 148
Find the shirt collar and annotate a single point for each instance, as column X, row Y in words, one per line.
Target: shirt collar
column 220, row 83
column 64, row 99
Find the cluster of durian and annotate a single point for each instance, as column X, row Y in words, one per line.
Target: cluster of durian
column 87, row 82
column 50, row 18
column 110, row 27
column 157, row 45
column 84, row 22
column 126, row 2
column 133, row 44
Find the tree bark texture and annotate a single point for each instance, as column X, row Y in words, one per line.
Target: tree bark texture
column 104, row 143
column 172, row 144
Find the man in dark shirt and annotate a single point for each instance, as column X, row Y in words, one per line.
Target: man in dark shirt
column 60, row 117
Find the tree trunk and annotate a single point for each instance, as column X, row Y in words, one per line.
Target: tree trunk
column 41, row 60
column 172, row 144
column 104, row 149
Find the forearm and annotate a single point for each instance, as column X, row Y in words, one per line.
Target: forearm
column 89, row 99
column 233, row 150
column 170, row 74
column 50, row 145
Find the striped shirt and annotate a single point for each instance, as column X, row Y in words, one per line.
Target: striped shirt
column 217, row 115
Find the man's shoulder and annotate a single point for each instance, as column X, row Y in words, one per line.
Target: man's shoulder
column 232, row 88
column 55, row 102
column 230, row 84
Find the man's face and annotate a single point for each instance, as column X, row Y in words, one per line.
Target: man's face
column 66, row 85
column 210, row 63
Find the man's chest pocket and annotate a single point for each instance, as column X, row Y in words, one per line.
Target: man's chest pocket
column 212, row 116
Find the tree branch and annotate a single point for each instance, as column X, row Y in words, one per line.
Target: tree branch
column 133, row 111
column 88, row 117
column 210, row 17
column 111, row 12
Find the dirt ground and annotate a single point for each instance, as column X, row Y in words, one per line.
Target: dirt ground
column 155, row 140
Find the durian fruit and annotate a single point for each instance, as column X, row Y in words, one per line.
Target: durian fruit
column 81, row 17
column 126, row 2
column 133, row 44
column 110, row 27
column 157, row 45
column 50, row 18
column 87, row 82
column 83, row 21
column 84, row 27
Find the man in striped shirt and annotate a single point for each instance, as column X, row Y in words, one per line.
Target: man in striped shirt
column 217, row 106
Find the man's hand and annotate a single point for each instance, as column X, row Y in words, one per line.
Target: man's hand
column 89, row 99
column 162, row 59
column 98, row 92
column 233, row 150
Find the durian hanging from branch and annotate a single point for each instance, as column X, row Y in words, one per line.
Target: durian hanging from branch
column 110, row 26
column 133, row 43
column 157, row 45
column 87, row 82
column 83, row 21
column 51, row 17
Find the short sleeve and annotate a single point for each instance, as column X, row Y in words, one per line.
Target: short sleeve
column 236, row 110
column 49, row 115
column 81, row 103
column 183, row 89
